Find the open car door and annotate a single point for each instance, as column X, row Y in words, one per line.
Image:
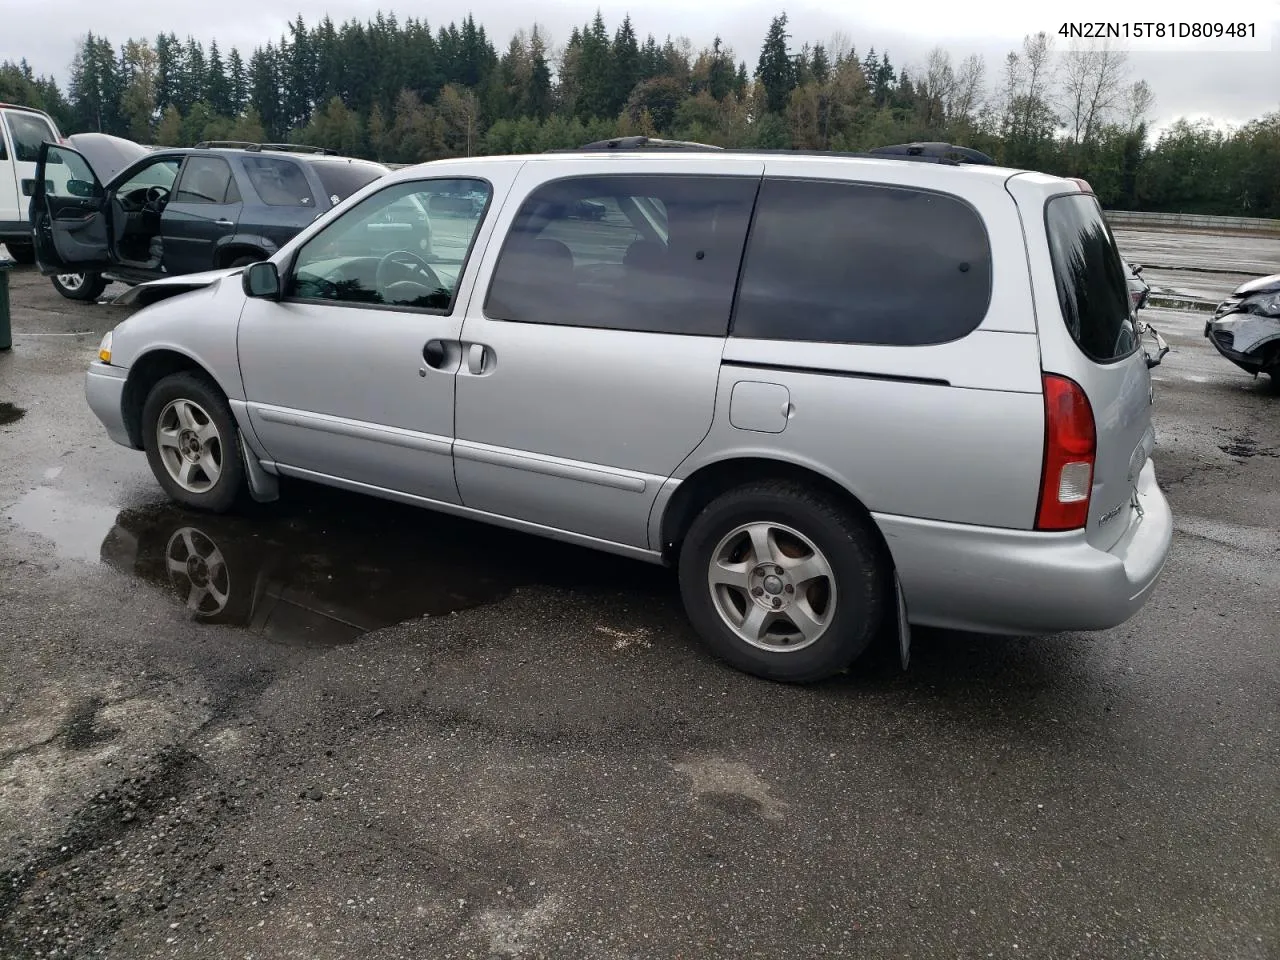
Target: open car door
column 69, row 213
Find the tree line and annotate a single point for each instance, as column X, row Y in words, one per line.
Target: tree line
column 400, row 92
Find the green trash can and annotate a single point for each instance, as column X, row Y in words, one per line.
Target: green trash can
column 6, row 330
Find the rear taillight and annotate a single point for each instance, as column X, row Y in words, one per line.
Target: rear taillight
column 1070, row 447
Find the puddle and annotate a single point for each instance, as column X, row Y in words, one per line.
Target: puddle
column 324, row 567
column 75, row 529
column 9, row 413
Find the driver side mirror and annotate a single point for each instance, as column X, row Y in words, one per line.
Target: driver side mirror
column 80, row 188
column 261, row 280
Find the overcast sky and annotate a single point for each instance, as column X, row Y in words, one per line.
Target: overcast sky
column 1224, row 85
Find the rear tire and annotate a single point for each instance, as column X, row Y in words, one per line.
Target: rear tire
column 783, row 581
column 193, row 443
column 85, row 287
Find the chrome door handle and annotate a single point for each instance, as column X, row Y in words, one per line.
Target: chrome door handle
column 223, row 223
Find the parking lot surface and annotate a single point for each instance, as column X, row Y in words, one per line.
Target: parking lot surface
column 334, row 727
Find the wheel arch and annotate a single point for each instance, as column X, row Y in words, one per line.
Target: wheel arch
column 713, row 479
column 241, row 245
column 145, row 372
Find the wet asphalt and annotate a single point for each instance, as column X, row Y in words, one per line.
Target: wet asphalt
column 333, row 727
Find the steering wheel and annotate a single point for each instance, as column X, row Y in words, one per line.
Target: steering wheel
column 154, row 199
column 409, row 262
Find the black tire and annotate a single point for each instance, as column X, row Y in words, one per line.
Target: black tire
column 89, row 290
column 853, row 555
column 244, row 261
column 24, row 254
column 226, row 491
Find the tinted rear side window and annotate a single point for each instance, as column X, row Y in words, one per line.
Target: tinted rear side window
column 861, row 263
column 280, row 183
column 341, row 179
column 656, row 254
column 1090, row 279
column 206, row 180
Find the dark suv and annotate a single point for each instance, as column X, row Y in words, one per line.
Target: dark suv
column 175, row 211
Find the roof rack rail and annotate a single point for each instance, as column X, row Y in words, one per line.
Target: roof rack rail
column 639, row 143
column 933, row 150
column 212, row 144
column 257, row 147
column 923, row 152
column 298, row 148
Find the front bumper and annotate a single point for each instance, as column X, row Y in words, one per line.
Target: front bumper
column 1241, row 337
column 1021, row 582
column 104, row 389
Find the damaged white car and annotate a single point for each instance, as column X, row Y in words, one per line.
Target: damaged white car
column 1246, row 327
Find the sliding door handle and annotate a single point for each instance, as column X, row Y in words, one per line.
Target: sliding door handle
column 479, row 359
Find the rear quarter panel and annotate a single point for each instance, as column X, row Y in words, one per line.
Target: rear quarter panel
column 1119, row 393
column 967, row 448
column 954, row 453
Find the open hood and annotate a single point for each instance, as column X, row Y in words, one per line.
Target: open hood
column 154, row 291
column 107, row 155
column 1261, row 285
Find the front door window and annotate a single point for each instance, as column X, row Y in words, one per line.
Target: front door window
column 404, row 247
column 69, row 176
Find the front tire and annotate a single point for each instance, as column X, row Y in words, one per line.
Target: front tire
column 85, row 287
column 244, row 261
column 783, row 581
column 193, row 443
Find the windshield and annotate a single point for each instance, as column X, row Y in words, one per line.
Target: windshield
column 1092, row 290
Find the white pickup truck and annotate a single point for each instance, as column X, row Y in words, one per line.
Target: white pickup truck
column 22, row 130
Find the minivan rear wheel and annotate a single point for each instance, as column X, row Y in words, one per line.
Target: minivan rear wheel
column 782, row 581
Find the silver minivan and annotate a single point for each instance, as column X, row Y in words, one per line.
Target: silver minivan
column 840, row 394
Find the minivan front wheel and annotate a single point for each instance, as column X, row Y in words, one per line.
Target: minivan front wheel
column 193, row 443
column 782, row 581
column 85, row 287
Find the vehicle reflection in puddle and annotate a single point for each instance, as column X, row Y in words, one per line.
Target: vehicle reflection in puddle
column 325, row 567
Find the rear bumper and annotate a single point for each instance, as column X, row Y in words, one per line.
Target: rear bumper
column 104, row 389
column 1021, row 582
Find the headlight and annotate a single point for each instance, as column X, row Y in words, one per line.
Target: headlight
column 1267, row 304
column 104, row 349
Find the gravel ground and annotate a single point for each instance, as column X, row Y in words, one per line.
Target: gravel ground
column 406, row 736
